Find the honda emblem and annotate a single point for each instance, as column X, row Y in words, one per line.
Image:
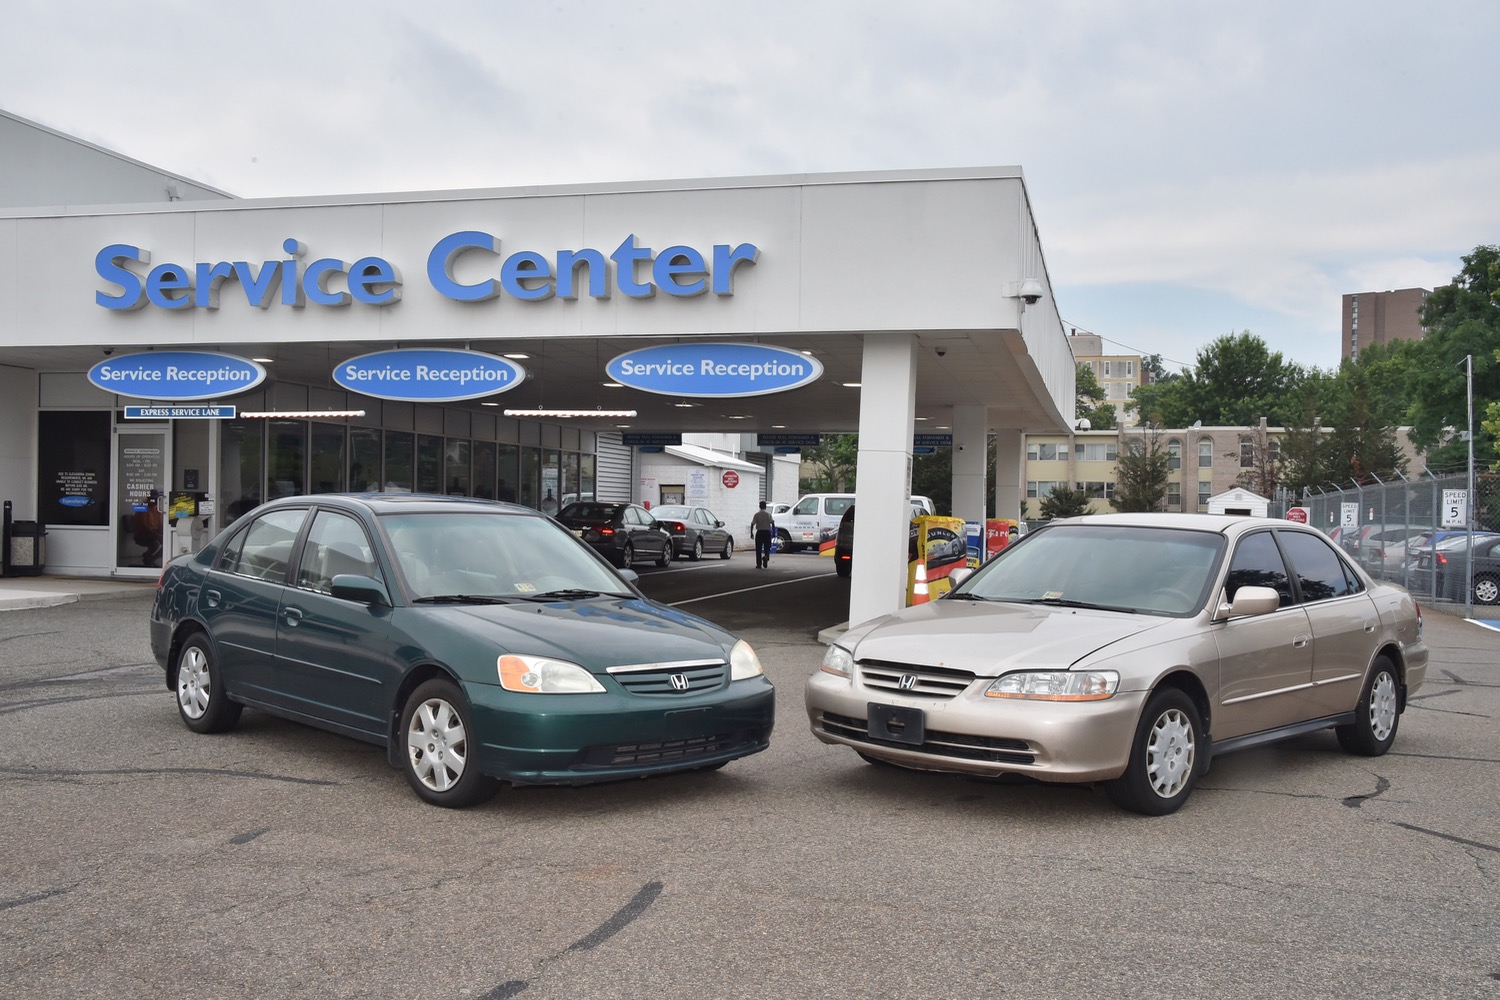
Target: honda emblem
column 679, row 682
column 907, row 682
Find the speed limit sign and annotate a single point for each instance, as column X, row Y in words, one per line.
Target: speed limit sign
column 1455, row 508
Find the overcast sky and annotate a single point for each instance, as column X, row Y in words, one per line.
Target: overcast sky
column 1195, row 168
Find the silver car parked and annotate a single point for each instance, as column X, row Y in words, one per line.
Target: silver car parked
column 1128, row 649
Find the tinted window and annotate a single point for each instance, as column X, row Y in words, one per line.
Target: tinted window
column 837, row 505
column 336, row 543
column 1320, row 572
column 1257, row 563
column 268, row 545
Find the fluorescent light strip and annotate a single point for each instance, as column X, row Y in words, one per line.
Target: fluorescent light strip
column 302, row 414
column 570, row 413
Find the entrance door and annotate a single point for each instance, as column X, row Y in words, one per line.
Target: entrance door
column 141, row 464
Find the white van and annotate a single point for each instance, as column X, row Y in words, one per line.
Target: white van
column 814, row 519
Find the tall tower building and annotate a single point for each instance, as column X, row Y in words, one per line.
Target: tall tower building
column 1381, row 317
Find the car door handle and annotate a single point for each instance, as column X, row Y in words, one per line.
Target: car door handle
column 1300, row 641
column 212, row 598
column 292, row 616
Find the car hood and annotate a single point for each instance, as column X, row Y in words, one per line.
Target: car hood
column 989, row 639
column 595, row 633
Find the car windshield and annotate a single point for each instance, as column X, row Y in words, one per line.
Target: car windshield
column 595, row 512
column 670, row 510
column 483, row 554
column 1120, row 567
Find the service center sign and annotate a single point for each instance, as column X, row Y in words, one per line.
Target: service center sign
column 176, row 375
column 716, row 370
column 430, row 375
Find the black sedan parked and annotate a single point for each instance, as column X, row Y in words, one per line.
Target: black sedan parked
column 479, row 643
column 621, row 532
column 1439, row 572
column 695, row 530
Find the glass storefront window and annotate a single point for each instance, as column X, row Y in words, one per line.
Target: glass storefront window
column 585, row 477
column 484, row 469
column 552, row 487
column 287, row 465
column 326, row 458
column 241, row 468
column 429, row 463
column 508, row 471
column 531, row 475
column 364, row 459
column 400, row 462
column 570, row 477
column 456, row 468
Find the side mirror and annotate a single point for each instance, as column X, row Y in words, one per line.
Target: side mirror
column 360, row 589
column 1249, row 601
column 959, row 575
column 718, row 524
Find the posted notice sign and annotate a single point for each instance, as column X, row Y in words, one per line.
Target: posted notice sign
column 1455, row 508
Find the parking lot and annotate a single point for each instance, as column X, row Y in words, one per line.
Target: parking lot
column 142, row 860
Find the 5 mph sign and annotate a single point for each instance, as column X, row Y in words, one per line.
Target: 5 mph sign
column 1455, row 508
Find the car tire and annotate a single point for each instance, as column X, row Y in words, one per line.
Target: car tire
column 728, row 549
column 627, row 555
column 697, row 552
column 201, row 700
column 1486, row 589
column 665, row 559
column 843, row 567
column 1164, row 759
column 439, row 757
column 1377, row 715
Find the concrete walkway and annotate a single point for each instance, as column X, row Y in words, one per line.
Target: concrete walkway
column 20, row 592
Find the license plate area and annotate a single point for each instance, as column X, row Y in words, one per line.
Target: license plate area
column 896, row 724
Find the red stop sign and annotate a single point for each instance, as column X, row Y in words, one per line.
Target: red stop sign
column 731, row 479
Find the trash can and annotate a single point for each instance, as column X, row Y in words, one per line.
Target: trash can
column 28, row 548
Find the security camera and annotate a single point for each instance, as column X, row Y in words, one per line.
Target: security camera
column 108, row 351
column 1031, row 291
column 941, row 352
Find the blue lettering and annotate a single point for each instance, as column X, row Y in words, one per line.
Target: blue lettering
column 373, row 281
column 259, row 286
column 105, row 264
column 440, row 266
column 314, row 283
column 626, row 256
column 675, row 262
column 568, row 263
column 726, row 260
column 169, row 287
column 210, row 277
column 522, row 267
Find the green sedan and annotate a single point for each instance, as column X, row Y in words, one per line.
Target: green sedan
column 480, row 643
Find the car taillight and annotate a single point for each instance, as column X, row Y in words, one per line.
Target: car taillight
column 1440, row 559
column 605, row 530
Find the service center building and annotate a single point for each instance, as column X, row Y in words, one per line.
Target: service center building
column 217, row 352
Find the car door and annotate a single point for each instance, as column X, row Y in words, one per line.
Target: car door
column 714, row 536
column 1344, row 621
column 645, row 538
column 1265, row 661
column 334, row 661
column 240, row 598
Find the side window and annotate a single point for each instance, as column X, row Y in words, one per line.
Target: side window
column 807, row 506
column 229, row 556
column 268, row 545
column 1257, row 563
column 1320, row 572
column 837, row 505
column 634, row 515
column 336, row 543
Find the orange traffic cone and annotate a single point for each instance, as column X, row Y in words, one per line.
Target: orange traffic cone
column 919, row 586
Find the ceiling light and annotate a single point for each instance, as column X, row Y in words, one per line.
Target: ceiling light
column 264, row 361
column 569, row 413
column 489, row 404
column 612, row 385
column 851, row 385
column 517, row 357
column 302, row 414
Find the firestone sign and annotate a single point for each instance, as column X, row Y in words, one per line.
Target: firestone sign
column 467, row 266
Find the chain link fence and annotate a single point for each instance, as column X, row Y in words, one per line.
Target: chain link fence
column 1393, row 529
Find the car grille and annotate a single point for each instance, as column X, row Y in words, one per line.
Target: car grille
column 988, row 749
column 926, row 682
column 646, row 754
column 695, row 679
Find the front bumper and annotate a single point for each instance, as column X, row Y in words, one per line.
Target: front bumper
column 584, row 739
column 972, row 734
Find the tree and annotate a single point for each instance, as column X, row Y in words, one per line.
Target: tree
column 1462, row 320
column 1065, row 503
column 1141, row 472
column 1090, row 403
column 833, row 461
column 1263, row 475
column 1156, row 371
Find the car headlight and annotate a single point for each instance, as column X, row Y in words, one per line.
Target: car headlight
column 838, row 661
column 743, row 663
column 540, row 675
column 1056, row 685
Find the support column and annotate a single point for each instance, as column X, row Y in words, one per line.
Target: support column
column 1010, row 472
column 970, row 432
column 882, row 494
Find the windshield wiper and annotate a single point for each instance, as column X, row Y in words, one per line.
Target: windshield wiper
column 462, row 599
column 1062, row 602
column 566, row 594
column 954, row 595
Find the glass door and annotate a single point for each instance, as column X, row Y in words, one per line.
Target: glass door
column 141, row 463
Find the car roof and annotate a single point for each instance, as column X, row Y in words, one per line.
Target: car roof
column 1226, row 524
column 402, row 503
